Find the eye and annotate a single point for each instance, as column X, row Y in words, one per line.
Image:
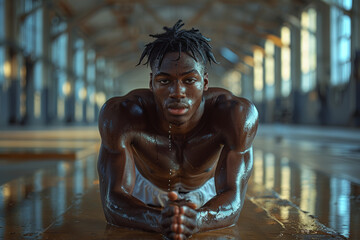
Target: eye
column 164, row 81
column 190, row 80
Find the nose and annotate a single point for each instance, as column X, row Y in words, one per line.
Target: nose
column 177, row 90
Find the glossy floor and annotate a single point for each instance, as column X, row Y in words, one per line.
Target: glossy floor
column 297, row 191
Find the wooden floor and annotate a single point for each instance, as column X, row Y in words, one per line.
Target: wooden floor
column 289, row 197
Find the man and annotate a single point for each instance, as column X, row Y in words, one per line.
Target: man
column 176, row 158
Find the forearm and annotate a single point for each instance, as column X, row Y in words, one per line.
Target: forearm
column 127, row 211
column 221, row 211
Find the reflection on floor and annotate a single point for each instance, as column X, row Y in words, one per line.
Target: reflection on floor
column 298, row 190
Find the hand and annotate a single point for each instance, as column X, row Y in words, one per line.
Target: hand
column 178, row 218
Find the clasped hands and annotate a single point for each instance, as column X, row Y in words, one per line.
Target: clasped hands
column 178, row 218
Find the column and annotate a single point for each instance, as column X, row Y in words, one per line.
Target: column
column 5, row 67
column 355, row 45
column 323, row 60
column 296, row 73
column 13, row 90
column 278, row 108
column 49, row 86
column 70, row 97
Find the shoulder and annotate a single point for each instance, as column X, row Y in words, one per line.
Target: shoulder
column 122, row 114
column 222, row 100
column 235, row 117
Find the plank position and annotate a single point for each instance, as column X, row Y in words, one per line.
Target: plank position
column 176, row 158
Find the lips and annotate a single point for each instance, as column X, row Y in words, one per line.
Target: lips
column 177, row 108
column 177, row 111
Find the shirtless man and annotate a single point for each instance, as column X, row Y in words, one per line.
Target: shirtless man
column 176, row 158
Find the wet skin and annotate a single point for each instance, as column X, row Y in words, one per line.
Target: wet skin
column 212, row 134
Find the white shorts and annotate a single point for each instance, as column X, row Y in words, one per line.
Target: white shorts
column 150, row 194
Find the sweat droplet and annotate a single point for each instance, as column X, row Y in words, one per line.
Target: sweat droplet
column 169, row 151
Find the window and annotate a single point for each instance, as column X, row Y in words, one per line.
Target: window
column 285, row 62
column 269, row 69
column 2, row 19
column 2, row 65
column 59, row 58
column 340, row 42
column 232, row 81
column 79, row 65
column 2, row 36
column 31, row 31
column 91, row 70
column 60, row 51
column 308, row 50
column 258, row 74
column 79, row 58
column 31, row 40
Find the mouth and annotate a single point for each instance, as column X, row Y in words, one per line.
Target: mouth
column 177, row 109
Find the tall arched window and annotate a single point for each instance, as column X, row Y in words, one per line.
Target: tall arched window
column 79, row 68
column 285, row 62
column 232, row 81
column 269, row 69
column 2, row 37
column 308, row 50
column 340, row 42
column 59, row 58
column 258, row 75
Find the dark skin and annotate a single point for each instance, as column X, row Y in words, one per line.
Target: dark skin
column 212, row 134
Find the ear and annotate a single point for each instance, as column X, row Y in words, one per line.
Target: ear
column 206, row 81
column 150, row 82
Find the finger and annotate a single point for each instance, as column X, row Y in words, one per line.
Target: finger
column 169, row 211
column 185, row 231
column 172, row 196
column 169, row 222
column 177, row 236
column 175, row 227
column 186, row 221
column 188, row 212
column 191, row 205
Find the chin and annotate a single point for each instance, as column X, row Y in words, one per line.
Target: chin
column 177, row 121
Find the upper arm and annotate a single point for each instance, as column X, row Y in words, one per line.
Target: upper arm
column 118, row 119
column 240, row 121
column 244, row 123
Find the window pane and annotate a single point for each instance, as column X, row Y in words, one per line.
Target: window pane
column 38, row 32
column 308, row 50
column 2, row 19
column 344, row 51
column 232, row 81
column 285, row 61
column 340, row 46
column 2, row 63
column 258, row 75
column 347, row 4
column 345, row 26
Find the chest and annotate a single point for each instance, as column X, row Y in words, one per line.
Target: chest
column 192, row 155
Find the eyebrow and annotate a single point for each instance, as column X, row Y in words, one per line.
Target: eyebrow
column 181, row 74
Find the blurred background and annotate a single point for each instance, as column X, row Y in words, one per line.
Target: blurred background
column 297, row 60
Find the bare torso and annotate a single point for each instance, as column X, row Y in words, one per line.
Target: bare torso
column 184, row 162
column 188, row 163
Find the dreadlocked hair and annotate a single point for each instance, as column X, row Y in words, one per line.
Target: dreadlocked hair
column 178, row 40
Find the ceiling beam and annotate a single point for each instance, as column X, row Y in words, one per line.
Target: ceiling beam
column 207, row 6
column 82, row 16
column 153, row 14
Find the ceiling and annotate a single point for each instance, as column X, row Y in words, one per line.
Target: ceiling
column 118, row 29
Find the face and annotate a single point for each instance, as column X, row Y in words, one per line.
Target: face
column 178, row 87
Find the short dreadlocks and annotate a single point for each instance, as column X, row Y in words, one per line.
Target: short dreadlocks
column 179, row 40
